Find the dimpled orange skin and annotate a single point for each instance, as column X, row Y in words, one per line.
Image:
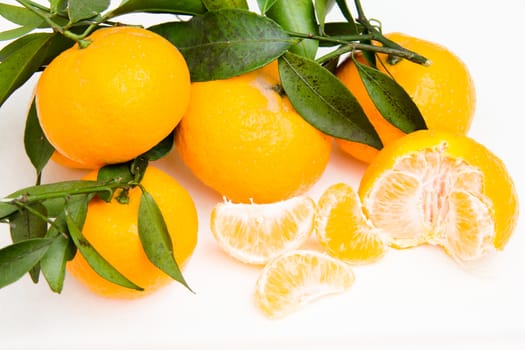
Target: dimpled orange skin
column 243, row 139
column 444, row 92
column 112, row 229
column 115, row 99
column 498, row 186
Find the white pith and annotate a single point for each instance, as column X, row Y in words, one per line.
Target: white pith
column 417, row 200
column 297, row 278
column 254, row 240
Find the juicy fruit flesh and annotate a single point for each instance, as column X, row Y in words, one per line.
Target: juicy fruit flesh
column 343, row 229
column 429, row 196
column 256, row 233
column 295, row 279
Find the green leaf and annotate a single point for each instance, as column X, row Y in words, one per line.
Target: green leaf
column 57, row 6
column 182, row 7
column 16, row 32
column 225, row 4
column 53, row 263
column 323, row 101
column 343, row 7
column 138, row 168
column 97, row 262
column 264, row 5
column 37, row 147
column 161, row 149
column 81, row 9
column 14, row 46
column 340, row 29
column 63, row 249
column 115, row 173
column 322, row 7
column 297, row 16
column 18, row 258
column 7, row 209
column 24, row 225
column 20, row 15
column 391, row 100
column 58, row 188
column 156, row 239
column 226, row 43
column 25, row 56
column 54, row 206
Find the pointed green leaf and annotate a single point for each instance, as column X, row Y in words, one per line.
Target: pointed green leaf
column 114, row 173
column 156, row 239
column 323, row 101
column 264, row 5
column 16, row 32
column 391, row 100
column 63, row 249
column 297, row 16
column 97, row 262
column 37, row 147
column 53, row 263
column 7, row 209
column 182, row 7
column 15, row 46
column 26, row 224
column 225, row 4
column 57, row 6
column 138, row 168
column 20, row 15
column 343, row 7
column 58, row 188
column 322, row 7
column 340, row 29
column 25, row 59
column 225, row 43
column 18, row 258
column 81, row 9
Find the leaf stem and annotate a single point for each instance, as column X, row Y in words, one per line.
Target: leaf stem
column 30, row 198
column 350, row 43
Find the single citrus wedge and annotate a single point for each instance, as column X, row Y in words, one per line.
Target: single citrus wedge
column 342, row 228
column 441, row 188
column 296, row 278
column 256, row 233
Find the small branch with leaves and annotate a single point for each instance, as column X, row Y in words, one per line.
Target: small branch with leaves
column 48, row 217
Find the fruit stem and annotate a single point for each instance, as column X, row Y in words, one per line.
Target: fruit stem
column 31, row 198
column 44, row 13
column 378, row 36
column 350, row 43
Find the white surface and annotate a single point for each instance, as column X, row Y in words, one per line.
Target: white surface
column 409, row 300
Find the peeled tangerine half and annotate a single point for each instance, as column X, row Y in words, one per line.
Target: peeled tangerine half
column 443, row 189
column 343, row 230
column 296, row 278
column 255, row 233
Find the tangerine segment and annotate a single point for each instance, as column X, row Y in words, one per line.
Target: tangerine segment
column 342, row 228
column 294, row 279
column 256, row 233
column 441, row 188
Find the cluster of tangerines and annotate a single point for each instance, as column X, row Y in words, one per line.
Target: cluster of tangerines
column 242, row 138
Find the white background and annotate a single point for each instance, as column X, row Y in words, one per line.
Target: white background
column 409, row 300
